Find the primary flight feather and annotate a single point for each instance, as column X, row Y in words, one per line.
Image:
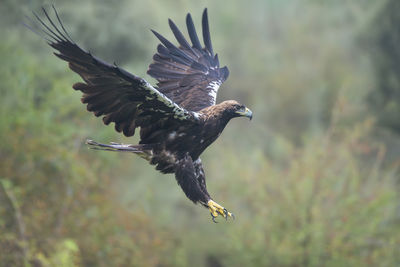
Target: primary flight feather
column 178, row 119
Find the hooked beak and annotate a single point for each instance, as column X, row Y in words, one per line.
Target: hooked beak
column 245, row 113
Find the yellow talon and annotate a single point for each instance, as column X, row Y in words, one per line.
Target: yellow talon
column 216, row 209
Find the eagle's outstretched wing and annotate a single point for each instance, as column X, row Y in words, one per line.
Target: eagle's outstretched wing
column 189, row 75
column 110, row 91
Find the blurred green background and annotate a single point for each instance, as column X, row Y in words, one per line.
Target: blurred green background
column 313, row 179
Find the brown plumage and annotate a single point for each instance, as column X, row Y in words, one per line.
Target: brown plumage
column 178, row 120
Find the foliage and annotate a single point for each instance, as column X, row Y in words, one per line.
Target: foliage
column 328, row 207
column 384, row 37
column 310, row 180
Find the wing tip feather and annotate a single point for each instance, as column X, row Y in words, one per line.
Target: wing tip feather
column 206, row 32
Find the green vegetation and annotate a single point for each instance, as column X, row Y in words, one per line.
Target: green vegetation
column 312, row 179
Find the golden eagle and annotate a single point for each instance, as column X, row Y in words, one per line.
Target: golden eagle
column 178, row 119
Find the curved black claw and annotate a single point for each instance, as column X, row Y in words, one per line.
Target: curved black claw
column 213, row 218
column 216, row 210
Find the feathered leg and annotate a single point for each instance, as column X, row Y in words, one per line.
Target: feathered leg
column 190, row 176
column 186, row 177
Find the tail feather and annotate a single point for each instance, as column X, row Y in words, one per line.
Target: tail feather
column 143, row 150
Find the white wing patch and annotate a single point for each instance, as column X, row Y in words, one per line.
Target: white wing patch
column 179, row 112
column 172, row 135
column 213, row 90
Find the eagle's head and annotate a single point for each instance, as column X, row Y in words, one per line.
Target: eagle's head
column 232, row 109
